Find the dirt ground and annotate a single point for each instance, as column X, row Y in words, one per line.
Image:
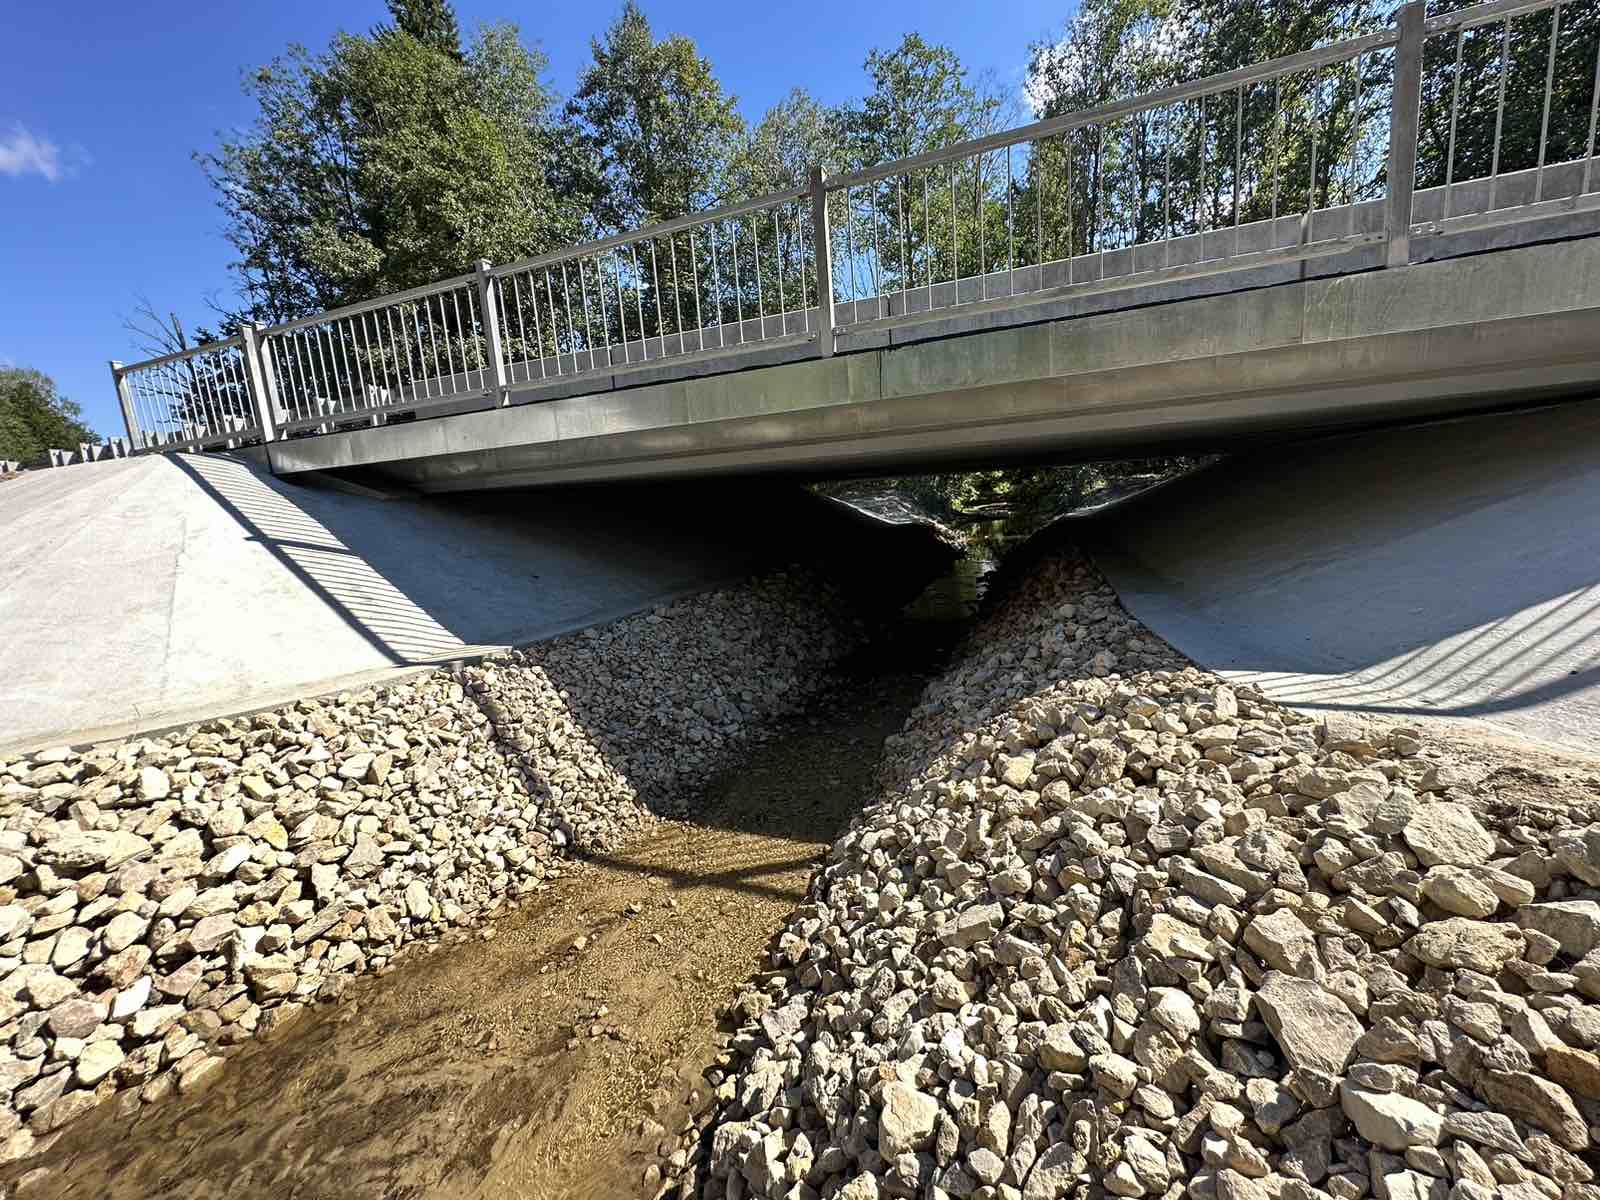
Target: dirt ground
column 549, row 1061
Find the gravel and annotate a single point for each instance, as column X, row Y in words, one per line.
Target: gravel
column 164, row 899
column 1116, row 927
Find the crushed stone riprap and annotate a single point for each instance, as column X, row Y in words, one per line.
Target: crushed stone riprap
column 164, row 898
column 1116, row 927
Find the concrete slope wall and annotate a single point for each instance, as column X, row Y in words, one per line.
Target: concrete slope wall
column 143, row 593
column 1446, row 570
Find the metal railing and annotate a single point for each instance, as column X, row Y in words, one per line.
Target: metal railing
column 1432, row 125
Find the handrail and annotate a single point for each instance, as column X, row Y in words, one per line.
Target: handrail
column 1487, row 14
column 646, row 233
column 182, row 355
column 1224, row 81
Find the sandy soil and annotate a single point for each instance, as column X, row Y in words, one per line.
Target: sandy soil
column 554, row 1058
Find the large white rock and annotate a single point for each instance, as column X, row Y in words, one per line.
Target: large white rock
column 1391, row 1120
column 906, row 1119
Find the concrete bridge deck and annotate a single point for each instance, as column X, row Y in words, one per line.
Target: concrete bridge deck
column 1166, row 367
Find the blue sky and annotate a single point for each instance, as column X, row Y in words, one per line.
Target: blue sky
column 105, row 101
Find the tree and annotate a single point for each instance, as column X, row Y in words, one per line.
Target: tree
column 35, row 417
column 431, row 22
column 1208, row 163
column 1512, row 58
column 390, row 161
column 796, row 134
column 658, row 130
column 909, row 227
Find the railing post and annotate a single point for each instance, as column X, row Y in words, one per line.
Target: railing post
column 258, row 375
column 125, row 399
column 824, row 253
column 1404, row 119
column 489, row 306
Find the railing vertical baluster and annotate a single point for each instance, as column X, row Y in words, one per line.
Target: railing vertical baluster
column 1011, row 229
column 777, row 262
column 402, row 366
column 1404, row 118
column 716, row 284
column 1238, row 159
column 1455, row 114
column 462, row 327
column 354, row 381
column 1277, row 149
column 761, row 299
column 588, row 326
column 572, row 330
column 694, row 282
column 823, row 249
column 955, row 248
column 677, row 290
column 555, row 325
column 1594, row 112
column 655, row 284
column 1355, row 149
column 1037, row 166
column 904, row 247
column 622, row 312
column 983, row 233
column 1311, row 182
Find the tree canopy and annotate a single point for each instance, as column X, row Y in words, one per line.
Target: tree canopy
column 35, row 417
column 658, row 130
column 389, row 161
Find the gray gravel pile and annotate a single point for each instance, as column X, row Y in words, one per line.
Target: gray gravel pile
column 1115, row 927
column 162, row 899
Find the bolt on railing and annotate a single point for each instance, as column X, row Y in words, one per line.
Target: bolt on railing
column 1312, row 155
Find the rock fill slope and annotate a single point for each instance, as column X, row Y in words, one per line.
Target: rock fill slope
column 1117, row 927
column 165, row 898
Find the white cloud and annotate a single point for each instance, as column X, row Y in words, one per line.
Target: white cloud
column 21, row 153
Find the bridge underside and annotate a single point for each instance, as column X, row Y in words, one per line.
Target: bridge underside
column 1163, row 369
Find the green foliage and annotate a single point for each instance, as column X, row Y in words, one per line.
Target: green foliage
column 431, row 22
column 796, row 134
column 389, row 162
column 658, row 130
column 35, row 418
column 1516, row 57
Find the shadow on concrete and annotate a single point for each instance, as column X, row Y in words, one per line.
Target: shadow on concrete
column 426, row 580
column 384, row 568
column 1445, row 570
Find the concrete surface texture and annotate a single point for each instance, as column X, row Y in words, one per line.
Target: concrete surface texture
column 1447, row 571
column 149, row 591
column 1431, row 339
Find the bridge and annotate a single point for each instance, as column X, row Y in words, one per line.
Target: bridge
column 1374, row 230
